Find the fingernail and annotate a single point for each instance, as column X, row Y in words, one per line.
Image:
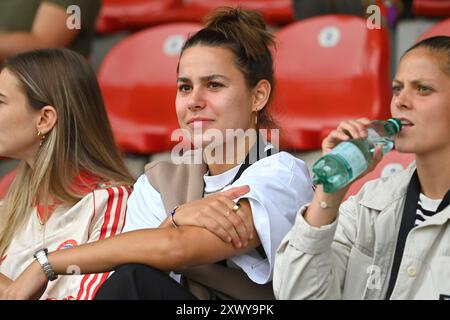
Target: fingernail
column 245, row 244
column 239, row 244
column 251, row 236
column 228, row 239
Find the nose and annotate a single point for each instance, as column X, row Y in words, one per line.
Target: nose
column 402, row 100
column 196, row 100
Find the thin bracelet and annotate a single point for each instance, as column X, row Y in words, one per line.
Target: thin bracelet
column 172, row 213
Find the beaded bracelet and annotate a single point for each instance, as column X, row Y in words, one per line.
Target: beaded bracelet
column 172, row 213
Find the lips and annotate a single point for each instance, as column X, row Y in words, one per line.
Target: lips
column 199, row 122
column 406, row 123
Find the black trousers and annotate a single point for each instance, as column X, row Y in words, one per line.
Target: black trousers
column 140, row 282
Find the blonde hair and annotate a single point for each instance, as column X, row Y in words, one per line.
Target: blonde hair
column 80, row 142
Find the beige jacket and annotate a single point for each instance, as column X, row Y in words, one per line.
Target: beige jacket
column 352, row 257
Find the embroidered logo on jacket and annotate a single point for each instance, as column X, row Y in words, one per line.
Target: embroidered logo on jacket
column 67, row 244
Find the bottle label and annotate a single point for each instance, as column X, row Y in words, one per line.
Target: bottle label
column 352, row 156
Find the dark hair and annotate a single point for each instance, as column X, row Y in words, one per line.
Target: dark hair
column 244, row 33
column 438, row 44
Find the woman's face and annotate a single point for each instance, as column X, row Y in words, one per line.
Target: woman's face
column 18, row 120
column 421, row 95
column 212, row 93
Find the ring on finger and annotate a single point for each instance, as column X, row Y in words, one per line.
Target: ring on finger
column 236, row 207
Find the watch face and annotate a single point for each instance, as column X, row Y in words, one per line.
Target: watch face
column 40, row 252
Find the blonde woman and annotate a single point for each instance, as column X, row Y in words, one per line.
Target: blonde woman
column 71, row 186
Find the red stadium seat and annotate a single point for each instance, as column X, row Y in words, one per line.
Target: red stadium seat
column 116, row 15
column 441, row 28
column 431, row 8
column 138, row 81
column 391, row 163
column 328, row 69
column 5, row 182
column 273, row 11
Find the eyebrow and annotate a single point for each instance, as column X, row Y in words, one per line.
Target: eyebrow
column 417, row 81
column 205, row 78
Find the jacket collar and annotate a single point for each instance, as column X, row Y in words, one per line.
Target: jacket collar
column 388, row 190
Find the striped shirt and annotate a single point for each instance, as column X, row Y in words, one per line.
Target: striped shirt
column 100, row 214
column 426, row 208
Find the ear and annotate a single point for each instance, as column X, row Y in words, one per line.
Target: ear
column 261, row 94
column 46, row 119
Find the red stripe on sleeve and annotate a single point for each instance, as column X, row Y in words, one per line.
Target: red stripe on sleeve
column 118, row 212
column 102, row 235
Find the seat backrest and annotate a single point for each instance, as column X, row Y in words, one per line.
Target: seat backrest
column 117, row 15
column 329, row 68
column 431, row 8
column 392, row 162
column 273, row 11
column 441, row 28
column 138, row 81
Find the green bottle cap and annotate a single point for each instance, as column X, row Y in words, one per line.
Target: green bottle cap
column 397, row 125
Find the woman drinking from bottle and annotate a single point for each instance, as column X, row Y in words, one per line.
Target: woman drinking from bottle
column 391, row 240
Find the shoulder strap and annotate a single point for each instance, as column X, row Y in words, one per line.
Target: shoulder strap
column 267, row 151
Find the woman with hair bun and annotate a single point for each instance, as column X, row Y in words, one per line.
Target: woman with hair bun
column 217, row 223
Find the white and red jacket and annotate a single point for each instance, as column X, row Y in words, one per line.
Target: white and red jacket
column 100, row 214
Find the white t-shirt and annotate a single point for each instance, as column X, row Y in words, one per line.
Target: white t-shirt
column 279, row 186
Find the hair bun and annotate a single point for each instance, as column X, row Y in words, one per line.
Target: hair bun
column 243, row 27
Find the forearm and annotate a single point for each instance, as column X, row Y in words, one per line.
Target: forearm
column 4, row 282
column 17, row 42
column 324, row 207
column 163, row 248
column 154, row 247
column 166, row 223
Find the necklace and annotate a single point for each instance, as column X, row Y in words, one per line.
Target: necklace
column 42, row 214
column 207, row 193
column 210, row 192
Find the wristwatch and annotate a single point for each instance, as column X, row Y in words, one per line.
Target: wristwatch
column 41, row 257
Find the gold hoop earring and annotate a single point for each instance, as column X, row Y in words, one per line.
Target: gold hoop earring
column 41, row 138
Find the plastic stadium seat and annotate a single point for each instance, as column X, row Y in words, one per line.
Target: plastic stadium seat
column 5, row 182
column 138, row 81
column 116, row 15
column 431, row 8
column 441, row 28
column 328, row 69
column 392, row 162
column 273, row 11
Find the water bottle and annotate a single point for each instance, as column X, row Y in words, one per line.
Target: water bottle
column 349, row 159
